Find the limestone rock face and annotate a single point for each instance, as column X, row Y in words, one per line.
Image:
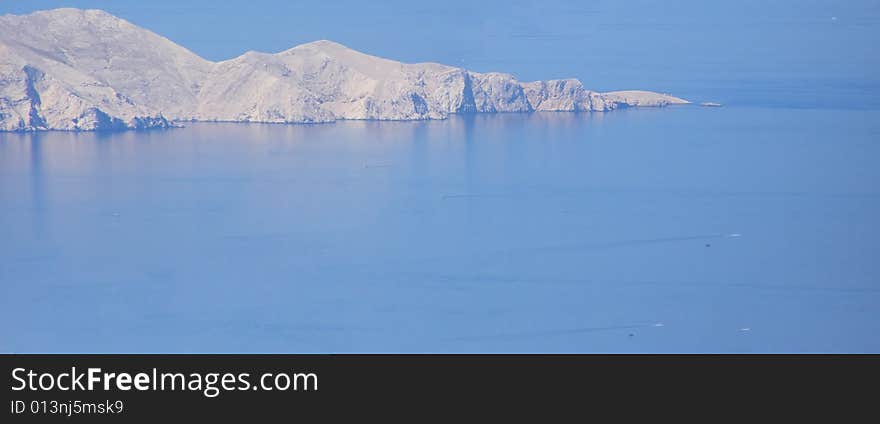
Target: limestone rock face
column 565, row 95
column 71, row 69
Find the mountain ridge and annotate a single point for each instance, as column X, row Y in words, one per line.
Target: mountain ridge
column 74, row 69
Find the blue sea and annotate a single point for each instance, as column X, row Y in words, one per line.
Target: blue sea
column 683, row 229
column 752, row 227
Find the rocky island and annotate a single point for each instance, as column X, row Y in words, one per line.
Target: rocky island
column 79, row 70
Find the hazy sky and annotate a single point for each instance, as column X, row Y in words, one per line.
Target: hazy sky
column 689, row 46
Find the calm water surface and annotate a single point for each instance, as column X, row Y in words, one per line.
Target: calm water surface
column 685, row 229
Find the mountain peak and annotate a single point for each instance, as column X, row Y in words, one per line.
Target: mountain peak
column 323, row 45
column 65, row 13
column 330, row 48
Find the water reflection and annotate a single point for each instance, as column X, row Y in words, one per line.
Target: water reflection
column 39, row 203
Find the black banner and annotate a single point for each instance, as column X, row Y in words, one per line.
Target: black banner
column 127, row 388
